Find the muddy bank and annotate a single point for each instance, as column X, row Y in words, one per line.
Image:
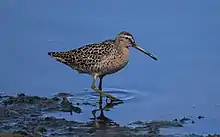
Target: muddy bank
column 22, row 115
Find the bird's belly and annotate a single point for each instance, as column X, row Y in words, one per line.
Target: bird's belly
column 113, row 67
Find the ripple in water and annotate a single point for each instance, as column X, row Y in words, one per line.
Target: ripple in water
column 122, row 94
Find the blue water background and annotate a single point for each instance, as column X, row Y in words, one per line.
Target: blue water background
column 184, row 35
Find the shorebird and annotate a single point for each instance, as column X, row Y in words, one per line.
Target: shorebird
column 100, row 59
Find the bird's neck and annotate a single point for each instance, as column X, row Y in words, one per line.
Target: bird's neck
column 123, row 52
column 121, row 47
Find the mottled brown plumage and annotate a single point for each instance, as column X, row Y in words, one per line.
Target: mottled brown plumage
column 100, row 59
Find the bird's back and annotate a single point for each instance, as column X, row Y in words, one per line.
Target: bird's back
column 88, row 58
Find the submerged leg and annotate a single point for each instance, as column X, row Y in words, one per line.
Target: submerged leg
column 99, row 91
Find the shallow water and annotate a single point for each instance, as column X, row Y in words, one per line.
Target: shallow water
column 144, row 106
column 184, row 35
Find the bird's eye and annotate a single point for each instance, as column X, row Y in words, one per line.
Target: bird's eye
column 128, row 39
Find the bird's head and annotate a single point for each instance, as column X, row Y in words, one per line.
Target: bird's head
column 126, row 40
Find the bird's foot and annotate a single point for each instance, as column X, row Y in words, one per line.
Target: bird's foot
column 113, row 99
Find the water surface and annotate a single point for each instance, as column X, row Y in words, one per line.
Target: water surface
column 184, row 35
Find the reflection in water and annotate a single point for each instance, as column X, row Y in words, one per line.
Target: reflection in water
column 102, row 122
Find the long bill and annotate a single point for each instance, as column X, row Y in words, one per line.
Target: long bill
column 144, row 51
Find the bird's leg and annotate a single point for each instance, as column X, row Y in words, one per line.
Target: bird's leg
column 99, row 91
column 100, row 83
column 100, row 88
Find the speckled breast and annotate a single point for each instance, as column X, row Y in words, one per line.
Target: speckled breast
column 114, row 63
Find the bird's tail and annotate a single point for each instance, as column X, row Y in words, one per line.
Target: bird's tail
column 59, row 56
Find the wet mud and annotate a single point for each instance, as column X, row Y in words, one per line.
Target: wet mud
column 23, row 116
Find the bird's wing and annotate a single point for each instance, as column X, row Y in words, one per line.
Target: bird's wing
column 85, row 56
column 90, row 54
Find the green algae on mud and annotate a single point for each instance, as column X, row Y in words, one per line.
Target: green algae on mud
column 22, row 115
column 25, row 112
column 40, row 103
